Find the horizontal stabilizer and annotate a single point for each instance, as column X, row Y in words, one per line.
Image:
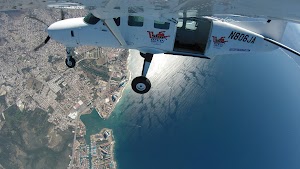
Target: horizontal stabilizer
column 273, row 29
column 282, row 46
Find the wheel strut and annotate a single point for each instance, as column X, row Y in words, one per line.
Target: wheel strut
column 70, row 61
column 147, row 62
column 142, row 84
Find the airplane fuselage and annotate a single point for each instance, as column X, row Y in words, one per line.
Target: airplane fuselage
column 137, row 35
column 188, row 36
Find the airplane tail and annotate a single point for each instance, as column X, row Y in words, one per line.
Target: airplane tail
column 273, row 29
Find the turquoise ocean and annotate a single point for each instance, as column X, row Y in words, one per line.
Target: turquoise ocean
column 230, row 112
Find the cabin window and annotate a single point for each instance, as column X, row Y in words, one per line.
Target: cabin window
column 117, row 21
column 72, row 33
column 180, row 23
column 91, row 19
column 191, row 25
column 161, row 25
column 136, row 21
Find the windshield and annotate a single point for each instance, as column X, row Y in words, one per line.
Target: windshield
column 91, row 19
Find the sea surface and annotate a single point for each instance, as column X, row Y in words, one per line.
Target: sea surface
column 230, row 112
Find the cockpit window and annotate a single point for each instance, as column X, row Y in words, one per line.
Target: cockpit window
column 161, row 25
column 91, row 19
column 136, row 21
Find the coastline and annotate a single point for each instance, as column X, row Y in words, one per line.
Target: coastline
column 117, row 101
column 102, row 149
column 120, row 92
column 86, row 139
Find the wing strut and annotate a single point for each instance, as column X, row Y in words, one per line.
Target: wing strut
column 115, row 31
column 282, row 46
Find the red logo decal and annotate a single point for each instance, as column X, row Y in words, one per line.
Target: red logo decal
column 219, row 42
column 160, row 37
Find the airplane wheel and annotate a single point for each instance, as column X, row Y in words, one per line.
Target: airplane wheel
column 141, row 84
column 70, row 62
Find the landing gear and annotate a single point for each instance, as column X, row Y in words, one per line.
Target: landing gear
column 70, row 61
column 142, row 84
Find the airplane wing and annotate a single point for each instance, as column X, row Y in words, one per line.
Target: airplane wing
column 35, row 4
column 286, row 10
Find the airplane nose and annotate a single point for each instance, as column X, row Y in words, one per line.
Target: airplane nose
column 59, row 31
column 52, row 29
column 63, row 31
column 67, row 24
column 55, row 27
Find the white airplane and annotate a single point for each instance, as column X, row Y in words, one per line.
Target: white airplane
column 171, row 27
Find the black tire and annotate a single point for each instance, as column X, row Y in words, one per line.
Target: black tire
column 72, row 62
column 141, row 85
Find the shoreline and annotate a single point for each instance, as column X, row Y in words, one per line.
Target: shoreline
column 105, row 149
column 119, row 98
column 121, row 91
column 100, row 114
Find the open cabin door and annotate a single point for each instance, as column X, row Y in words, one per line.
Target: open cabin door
column 191, row 36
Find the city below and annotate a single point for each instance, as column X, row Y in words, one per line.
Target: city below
column 41, row 81
column 99, row 151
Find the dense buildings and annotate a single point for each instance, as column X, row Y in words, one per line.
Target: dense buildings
column 41, row 80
